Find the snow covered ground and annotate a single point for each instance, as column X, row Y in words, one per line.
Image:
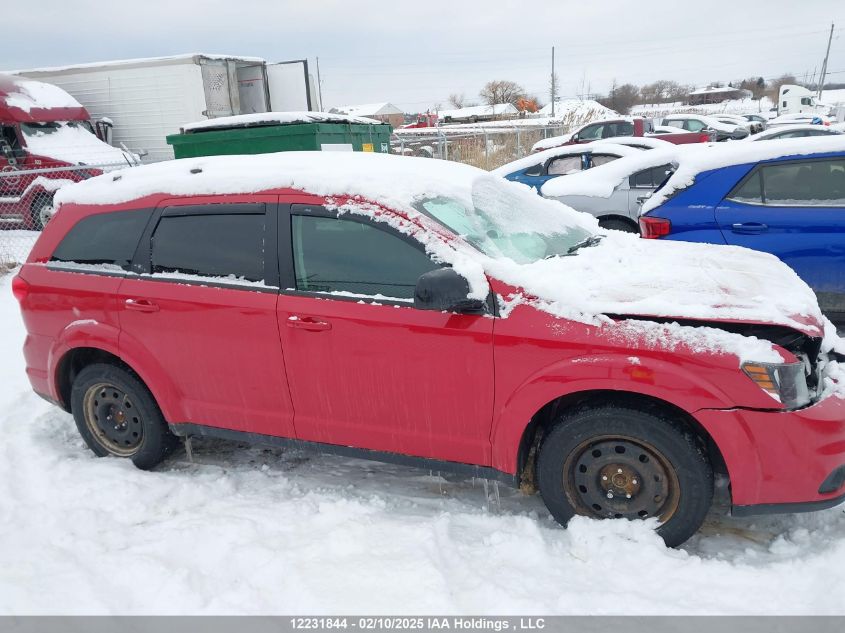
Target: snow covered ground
column 256, row 530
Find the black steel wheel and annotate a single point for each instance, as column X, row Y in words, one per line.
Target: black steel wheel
column 116, row 415
column 612, row 462
column 40, row 213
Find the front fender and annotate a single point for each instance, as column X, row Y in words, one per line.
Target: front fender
column 645, row 375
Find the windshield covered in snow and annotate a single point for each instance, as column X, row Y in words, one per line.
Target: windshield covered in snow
column 502, row 225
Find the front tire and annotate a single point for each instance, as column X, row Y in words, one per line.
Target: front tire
column 40, row 213
column 116, row 415
column 617, row 462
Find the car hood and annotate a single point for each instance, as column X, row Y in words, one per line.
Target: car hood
column 626, row 275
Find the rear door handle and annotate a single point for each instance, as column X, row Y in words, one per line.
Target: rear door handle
column 749, row 228
column 141, row 305
column 308, row 323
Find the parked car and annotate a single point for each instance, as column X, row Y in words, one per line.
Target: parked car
column 535, row 170
column 754, row 127
column 426, row 313
column 758, row 118
column 787, row 198
column 614, row 192
column 806, row 118
column 636, row 127
column 799, row 130
column 702, row 123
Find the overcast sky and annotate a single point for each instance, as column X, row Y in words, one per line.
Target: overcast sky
column 415, row 54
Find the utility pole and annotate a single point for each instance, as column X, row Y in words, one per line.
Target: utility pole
column 319, row 85
column 824, row 64
column 553, row 82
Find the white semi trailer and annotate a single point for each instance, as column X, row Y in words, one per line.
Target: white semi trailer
column 794, row 99
column 147, row 99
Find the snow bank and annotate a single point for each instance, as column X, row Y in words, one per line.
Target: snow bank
column 696, row 159
column 274, row 118
column 542, row 157
column 72, row 143
column 253, row 531
column 36, row 94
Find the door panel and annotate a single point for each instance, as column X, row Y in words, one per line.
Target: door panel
column 217, row 338
column 374, row 372
column 810, row 240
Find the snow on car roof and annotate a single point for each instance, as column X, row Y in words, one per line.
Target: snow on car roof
column 274, row 118
column 600, row 181
column 796, row 127
column 567, row 150
column 711, row 121
column 696, row 159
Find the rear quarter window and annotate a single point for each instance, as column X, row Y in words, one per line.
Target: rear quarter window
column 104, row 239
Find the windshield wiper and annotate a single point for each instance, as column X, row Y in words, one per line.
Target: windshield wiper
column 590, row 241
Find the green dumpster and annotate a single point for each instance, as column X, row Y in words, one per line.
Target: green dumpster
column 280, row 132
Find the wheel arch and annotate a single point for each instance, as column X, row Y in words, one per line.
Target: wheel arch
column 620, row 218
column 546, row 415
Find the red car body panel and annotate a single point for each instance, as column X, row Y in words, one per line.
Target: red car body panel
column 459, row 388
column 679, row 138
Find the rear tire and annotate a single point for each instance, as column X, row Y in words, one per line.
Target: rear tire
column 615, row 224
column 116, row 415
column 615, row 462
column 40, row 213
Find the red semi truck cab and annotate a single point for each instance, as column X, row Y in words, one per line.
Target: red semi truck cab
column 45, row 136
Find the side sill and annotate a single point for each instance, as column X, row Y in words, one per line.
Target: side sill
column 425, row 463
column 786, row 508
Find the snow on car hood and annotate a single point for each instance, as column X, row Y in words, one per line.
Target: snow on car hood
column 626, row 275
column 69, row 142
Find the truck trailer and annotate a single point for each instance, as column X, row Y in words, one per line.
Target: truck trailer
column 148, row 99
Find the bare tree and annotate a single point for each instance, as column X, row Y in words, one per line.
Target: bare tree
column 501, row 91
column 621, row 98
column 457, row 100
column 775, row 84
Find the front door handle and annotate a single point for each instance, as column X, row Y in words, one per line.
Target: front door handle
column 308, row 323
column 749, row 228
column 141, row 305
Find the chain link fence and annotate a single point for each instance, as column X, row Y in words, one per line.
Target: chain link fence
column 484, row 147
column 26, row 205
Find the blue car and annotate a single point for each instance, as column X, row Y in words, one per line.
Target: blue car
column 536, row 169
column 791, row 205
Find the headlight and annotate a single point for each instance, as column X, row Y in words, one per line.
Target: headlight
column 786, row 383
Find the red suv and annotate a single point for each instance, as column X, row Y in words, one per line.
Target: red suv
column 427, row 313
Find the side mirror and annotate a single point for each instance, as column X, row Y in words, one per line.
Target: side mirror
column 574, row 138
column 104, row 129
column 445, row 290
column 8, row 152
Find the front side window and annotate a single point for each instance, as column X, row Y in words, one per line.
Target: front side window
column 805, row 183
column 694, row 125
column 217, row 245
column 591, row 133
column 674, row 123
column 344, row 256
column 565, row 165
column 107, row 240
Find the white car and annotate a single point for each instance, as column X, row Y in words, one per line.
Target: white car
column 751, row 125
column 809, row 118
column 794, row 131
column 703, row 123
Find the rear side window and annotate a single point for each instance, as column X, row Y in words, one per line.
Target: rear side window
column 601, row 159
column 215, row 245
column 536, row 170
column 809, row 183
column 650, row 178
column 108, row 239
column 339, row 255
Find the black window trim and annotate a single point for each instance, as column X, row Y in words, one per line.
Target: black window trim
column 142, row 260
column 757, row 170
column 93, row 270
column 287, row 273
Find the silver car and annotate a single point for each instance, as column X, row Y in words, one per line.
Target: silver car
column 614, row 192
